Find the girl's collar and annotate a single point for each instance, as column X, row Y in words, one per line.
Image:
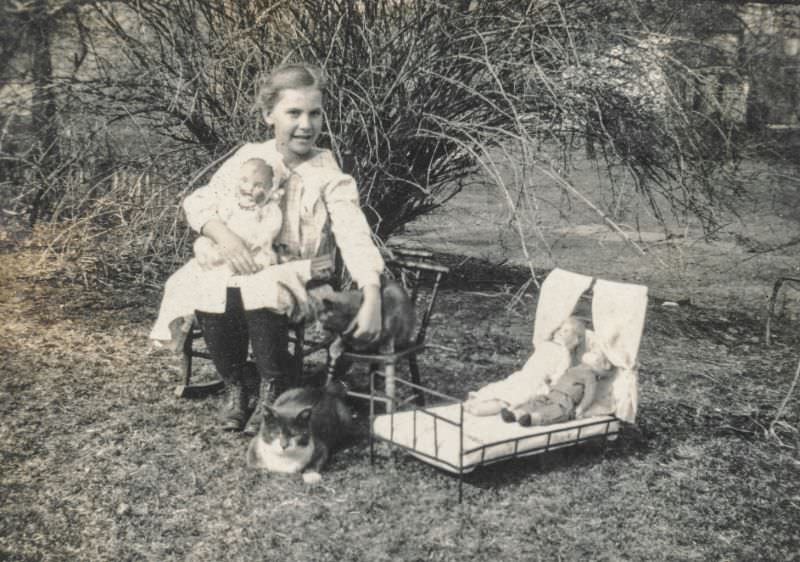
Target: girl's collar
column 315, row 153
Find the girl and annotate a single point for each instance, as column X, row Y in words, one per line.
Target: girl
column 549, row 361
column 320, row 207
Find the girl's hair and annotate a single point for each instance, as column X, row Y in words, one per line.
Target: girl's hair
column 297, row 75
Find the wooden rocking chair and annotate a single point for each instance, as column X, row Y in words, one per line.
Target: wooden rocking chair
column 416, row 269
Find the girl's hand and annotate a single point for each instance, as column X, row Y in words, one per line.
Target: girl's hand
column 231, row 248
column 367, row 322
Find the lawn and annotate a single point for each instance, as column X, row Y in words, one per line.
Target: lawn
column 100, row 461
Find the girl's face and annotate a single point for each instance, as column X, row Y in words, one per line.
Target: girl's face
column 297, row 120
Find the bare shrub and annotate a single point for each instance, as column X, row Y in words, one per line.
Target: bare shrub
column 425, row 94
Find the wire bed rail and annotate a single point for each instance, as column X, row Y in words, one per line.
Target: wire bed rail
column 600, row 430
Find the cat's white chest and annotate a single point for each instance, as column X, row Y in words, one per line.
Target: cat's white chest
column 271, row 456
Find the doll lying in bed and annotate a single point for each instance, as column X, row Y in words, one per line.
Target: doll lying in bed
column 569, row 397
column 549, row 361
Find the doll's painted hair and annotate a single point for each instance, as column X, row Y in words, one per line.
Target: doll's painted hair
column 578, row 326
column 258, row 164
column 295, row 75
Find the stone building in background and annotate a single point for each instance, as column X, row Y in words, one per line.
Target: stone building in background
column 747, row 62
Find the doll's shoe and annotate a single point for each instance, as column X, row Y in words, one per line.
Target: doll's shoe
column 528, row 420
column 507, row 415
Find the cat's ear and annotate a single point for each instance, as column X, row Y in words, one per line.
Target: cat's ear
column 304, row 416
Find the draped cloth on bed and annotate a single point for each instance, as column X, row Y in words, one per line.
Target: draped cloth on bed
column 558, row 296
column 618, row 311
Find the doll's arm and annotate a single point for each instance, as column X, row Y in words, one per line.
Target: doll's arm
column 206, row 253
column 231, row 247
column 589, row 390
column 203, row 204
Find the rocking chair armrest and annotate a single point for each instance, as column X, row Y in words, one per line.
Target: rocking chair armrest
column 418, row 264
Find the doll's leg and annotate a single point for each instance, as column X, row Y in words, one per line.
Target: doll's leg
column 265, row 256
column 525, row 413
column 269, row 334
column 521, row 414
column 484, row 407
column 545, row 413
column 227, row 340
column 206, row 253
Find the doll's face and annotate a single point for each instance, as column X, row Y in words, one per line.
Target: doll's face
column 254, row 183
column 596, row 359
column 569, row 334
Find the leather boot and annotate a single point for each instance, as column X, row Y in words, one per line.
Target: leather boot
column 267, row 393
column 238, row 403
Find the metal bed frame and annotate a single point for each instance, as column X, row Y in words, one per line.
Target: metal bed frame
column 443, row 399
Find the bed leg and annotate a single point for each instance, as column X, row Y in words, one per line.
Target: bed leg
column 371, row 418
column 390, row 386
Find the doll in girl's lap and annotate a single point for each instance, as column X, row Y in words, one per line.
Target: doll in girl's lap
column 549, row 361
column 256, row 217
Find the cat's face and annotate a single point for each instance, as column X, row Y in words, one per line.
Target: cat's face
column 336, row 311
column 286, row 430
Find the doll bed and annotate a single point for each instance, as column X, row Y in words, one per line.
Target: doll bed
column 446, row 436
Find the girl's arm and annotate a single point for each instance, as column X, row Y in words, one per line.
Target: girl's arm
column 589, row 390
column 203, row 204
column 352, row 233
column 359, row 253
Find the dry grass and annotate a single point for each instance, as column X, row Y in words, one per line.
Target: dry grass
column 100, row 461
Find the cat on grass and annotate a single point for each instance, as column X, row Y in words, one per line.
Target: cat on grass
column 300, row 431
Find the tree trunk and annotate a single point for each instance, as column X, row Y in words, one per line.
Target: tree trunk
column 44, row 112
